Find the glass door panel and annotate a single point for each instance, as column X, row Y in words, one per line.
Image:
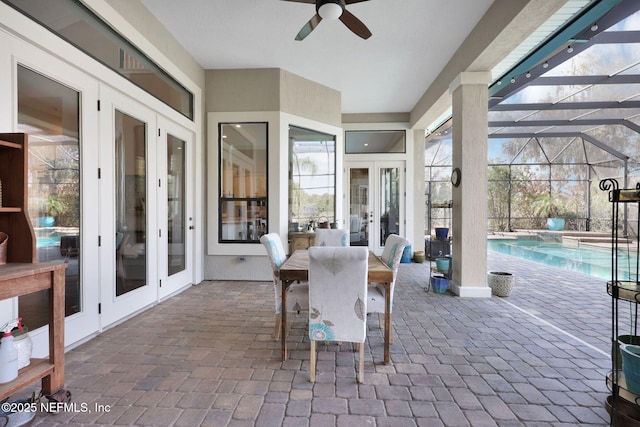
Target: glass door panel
column 131, row 196
column 359, row 207
column 176, row 196
column 389, row 202
column 129, row 206
column 49, row 113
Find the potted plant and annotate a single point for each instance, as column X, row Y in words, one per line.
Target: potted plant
column 53, row 206
column 546, row 205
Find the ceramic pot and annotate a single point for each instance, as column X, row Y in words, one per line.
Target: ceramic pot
column 439, row 283
column 46, row 221
column 442, row 264
column 631, row 366
column 626, row 413
column 555, row 224
column 615, row 350
column 442, row 233
column 500, row 282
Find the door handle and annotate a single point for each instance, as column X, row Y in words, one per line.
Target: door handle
column 191, row 227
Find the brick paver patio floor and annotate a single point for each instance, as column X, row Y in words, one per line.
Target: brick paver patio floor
column 207, row 357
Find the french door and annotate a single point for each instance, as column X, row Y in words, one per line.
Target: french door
column 129, row 244
column 110, row 193
column 53, row 106
column 376, row 202
column 175, row 216
column 147, row 220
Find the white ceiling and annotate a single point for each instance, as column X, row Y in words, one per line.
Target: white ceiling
column 388, row 73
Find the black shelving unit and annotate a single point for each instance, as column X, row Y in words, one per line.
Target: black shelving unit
column 624, row 288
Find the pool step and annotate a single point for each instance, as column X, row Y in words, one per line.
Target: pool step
column 576, row 240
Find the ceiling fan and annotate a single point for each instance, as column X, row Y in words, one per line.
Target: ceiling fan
column 333, row 9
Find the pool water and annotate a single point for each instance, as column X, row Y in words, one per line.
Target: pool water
column 589, row 260
column 45, row 242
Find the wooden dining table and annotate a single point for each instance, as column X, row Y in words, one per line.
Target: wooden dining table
column 296, row 268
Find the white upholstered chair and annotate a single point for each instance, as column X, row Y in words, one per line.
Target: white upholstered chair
column 355, row 226
column 337, row 298
column 331, row 237
column 393, row 249
column 297, row 293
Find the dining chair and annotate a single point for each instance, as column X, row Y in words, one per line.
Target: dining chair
column 331, row 237
column 355, row 229
column 297, row 293
column 338, row 299
column 391, row 255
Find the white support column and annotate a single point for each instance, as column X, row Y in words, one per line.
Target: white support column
column 470, row 128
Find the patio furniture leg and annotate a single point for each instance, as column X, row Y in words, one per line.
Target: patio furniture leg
column 283, row 321
column 361, row 363
column 387, row 326
column 380, row 323
column 276, row 331
column 312, row 362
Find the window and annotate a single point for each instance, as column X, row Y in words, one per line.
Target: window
column 72, row 21
column 312, row 179
column 243, row 182
column 374, row 141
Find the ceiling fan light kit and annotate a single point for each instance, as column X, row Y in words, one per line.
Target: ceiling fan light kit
column 330, row 10
column 333, row 9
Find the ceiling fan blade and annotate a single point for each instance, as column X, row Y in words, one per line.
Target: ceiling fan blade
column 347, row 1
column 355, row 25
column 308, row 27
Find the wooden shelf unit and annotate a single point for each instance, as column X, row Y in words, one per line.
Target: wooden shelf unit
column 14, row 218
column 21, row 275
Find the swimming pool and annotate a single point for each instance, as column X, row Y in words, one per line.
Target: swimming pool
column 585, row 259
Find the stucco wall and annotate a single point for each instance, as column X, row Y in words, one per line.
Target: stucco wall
column 271, row 89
